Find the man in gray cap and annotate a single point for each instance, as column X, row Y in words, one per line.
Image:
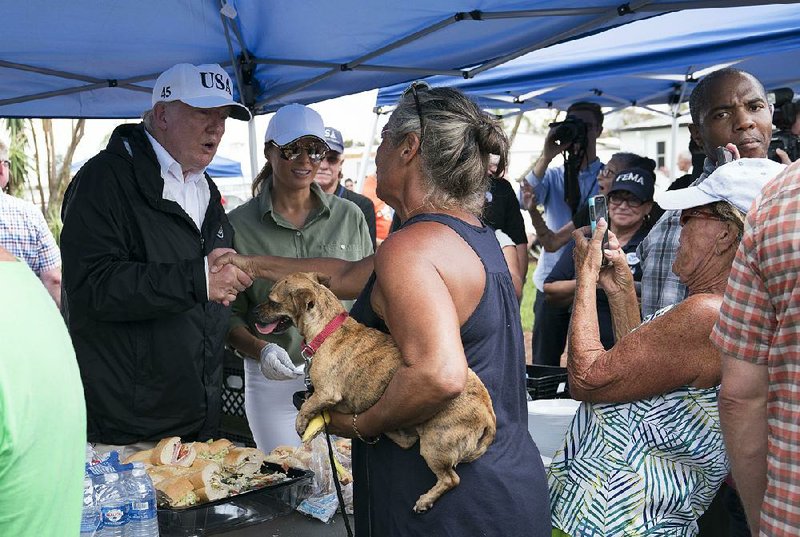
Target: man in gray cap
column 142, row 224
column 330, row 173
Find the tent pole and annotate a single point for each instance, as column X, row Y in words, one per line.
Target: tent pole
column 251, row 136
column 362, row 168
column 673, row 153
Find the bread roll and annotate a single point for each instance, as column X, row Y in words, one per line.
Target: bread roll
column 178, row 492
column 164, row 450
column 141, row 456
column 205, row 475
column 209, row 494
column 245, row 461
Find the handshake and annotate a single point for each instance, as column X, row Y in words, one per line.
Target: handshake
column 225, row 279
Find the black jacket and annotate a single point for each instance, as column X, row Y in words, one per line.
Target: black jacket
column 148, row 341
column 366, row 206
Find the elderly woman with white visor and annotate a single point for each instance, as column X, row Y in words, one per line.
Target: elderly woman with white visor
column 644, row 453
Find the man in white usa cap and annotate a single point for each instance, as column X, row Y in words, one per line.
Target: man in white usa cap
column 142, row 224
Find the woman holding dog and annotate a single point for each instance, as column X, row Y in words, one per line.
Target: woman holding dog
column 442, row 288
column 289, row 215
column 644, row 454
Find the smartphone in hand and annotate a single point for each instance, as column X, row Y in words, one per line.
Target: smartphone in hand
column 598, row 208
column 723, row 155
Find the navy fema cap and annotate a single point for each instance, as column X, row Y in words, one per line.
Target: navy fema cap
column 334, row 139
column 638, row 181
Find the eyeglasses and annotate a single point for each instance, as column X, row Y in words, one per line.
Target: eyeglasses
column 413, row 89
column 333, row 157
column 608, row 172
column 618, row 199
column 6, row 162
column 315, row 151
column 688, row 214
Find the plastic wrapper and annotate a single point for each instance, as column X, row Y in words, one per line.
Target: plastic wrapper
column 323, row 502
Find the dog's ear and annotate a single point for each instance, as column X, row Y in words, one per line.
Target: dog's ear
column 303, row 300
column 322, row 279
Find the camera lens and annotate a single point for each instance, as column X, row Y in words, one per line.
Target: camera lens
column 565, row 133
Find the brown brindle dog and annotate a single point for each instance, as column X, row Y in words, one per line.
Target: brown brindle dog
column 352, row 368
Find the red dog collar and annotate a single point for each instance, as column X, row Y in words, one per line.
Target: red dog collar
column 309, row 349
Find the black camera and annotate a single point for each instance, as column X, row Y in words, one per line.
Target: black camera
column 570, row 131
column 784, row 117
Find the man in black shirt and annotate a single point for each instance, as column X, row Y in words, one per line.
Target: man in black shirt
column 330, row 173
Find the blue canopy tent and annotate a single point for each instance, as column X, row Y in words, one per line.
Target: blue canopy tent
column 645, row 62
column 86, row 58
column 222, row 167
column 653, row 61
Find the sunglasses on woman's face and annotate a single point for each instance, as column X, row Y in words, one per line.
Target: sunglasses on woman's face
column 618, row 199
column 688, row 214
column 315, row 150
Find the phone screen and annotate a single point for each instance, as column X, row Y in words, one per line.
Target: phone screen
column 598, row 208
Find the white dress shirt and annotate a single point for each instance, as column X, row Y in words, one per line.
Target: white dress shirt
column 190, row 192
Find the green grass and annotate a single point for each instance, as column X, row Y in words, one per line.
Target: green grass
column 528, row 295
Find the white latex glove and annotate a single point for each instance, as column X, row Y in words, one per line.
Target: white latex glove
column 276, row 365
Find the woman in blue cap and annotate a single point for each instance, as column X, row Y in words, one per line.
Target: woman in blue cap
column 630, row 199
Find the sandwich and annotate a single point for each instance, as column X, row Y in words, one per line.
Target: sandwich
column 207, row 481
column 165, row 472
column 205, row 474
column 141, row 456
column 172, row 451
column 177, row 492
column 215, row 450
column 245, row 461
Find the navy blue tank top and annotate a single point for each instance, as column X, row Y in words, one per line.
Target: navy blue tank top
column 502, row 493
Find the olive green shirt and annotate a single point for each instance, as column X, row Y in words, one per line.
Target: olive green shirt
column 335, row 229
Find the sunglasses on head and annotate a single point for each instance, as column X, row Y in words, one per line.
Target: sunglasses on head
column 413, row 88
column 688, row 214
column 315, row 150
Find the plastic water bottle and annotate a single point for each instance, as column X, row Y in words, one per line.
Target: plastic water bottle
column 90, row 518
column 143, row 516
column 112, row 498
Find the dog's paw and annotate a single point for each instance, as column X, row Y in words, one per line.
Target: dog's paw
column 423, row 504
column 314, row 427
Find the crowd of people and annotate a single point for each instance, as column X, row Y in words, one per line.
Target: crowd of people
column 678, row 328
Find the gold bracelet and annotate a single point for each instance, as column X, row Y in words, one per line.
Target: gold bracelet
column 358, row 434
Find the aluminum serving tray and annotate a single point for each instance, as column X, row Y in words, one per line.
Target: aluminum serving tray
column 246, row 509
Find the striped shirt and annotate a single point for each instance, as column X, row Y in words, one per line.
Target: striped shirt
column 758, row 323
column 24, row 233
column 657, row 252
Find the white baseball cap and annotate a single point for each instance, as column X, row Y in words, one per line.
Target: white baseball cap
column 737, row 182
column 201, row 86
column 294, row 121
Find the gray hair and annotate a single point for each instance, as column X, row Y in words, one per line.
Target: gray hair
column 3, row 151
column 456, row 144
column 730, row 213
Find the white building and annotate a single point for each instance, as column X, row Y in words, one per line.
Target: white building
column 653, row 138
